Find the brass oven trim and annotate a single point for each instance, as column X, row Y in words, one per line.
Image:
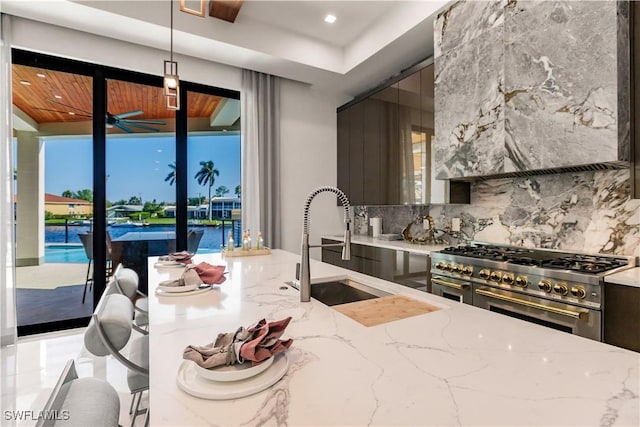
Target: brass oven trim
column 579, row 314
column 453, row 285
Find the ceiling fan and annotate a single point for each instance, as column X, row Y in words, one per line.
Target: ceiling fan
column 121, row 121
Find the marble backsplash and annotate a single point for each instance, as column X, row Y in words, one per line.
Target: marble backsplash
column 583, row 211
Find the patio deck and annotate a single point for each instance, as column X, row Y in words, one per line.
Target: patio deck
column 50, row 275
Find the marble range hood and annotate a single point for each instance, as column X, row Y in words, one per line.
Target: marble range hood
column 531, row 88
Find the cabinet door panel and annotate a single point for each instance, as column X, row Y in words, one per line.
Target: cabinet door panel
column 343, row 153
column 356, row 160
column 373, row 115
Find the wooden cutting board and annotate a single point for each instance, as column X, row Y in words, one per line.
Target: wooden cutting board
column 381, row 310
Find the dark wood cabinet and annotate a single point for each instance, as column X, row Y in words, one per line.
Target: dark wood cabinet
column 385, row 144
column 402, row 267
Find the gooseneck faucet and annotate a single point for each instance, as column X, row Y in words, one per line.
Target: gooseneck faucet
column 304, row 273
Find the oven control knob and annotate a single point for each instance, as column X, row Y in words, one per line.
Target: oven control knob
column 448, row 267
column 468, row 270
column 507, row 279
column 560, row 288
column 545, row 285
column 484, row 274
column 578, row 292
column 457, row 268
column 522, row 281
column 495, row 276
column 440, row 265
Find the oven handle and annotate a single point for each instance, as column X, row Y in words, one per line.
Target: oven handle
column 450, row 284
column 580, row 314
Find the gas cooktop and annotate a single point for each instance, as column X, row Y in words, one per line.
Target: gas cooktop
column 593, row 264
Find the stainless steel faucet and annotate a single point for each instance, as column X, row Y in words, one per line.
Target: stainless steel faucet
column 304, row 275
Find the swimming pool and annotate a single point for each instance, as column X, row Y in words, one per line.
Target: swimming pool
column 65, row 253
column 72, row 253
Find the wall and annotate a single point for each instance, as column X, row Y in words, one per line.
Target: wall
column 308, row 160
column 586, row 212
column 308, row 136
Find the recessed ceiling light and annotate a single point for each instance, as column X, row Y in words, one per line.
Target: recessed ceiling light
column 57, row 96
column 330, row 19
column 26, row 83
column 71, row 113
column 42, row 76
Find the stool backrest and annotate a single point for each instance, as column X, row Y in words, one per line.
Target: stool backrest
column 57, row 396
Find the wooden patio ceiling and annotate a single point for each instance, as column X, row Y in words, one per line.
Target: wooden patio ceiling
column 51, row 96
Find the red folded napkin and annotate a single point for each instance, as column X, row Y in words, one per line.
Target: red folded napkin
column 210, row 274
column 264, row 341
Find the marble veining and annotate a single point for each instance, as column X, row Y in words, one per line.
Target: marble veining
column 454, row 366
column 584, row 211
column 528, row 85
column 469, row 125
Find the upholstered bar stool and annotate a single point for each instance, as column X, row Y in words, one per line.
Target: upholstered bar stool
column 109, row 332
column 80, row 402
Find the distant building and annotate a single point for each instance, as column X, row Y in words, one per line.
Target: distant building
column 59, row 205
column 221, row 208
column 123, row 211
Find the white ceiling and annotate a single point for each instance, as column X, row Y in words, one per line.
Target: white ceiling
column 369, row 42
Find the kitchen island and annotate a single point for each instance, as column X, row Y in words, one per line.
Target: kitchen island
column 456, row 366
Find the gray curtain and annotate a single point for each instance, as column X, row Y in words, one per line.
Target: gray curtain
column 7, row 246
column 260, row 133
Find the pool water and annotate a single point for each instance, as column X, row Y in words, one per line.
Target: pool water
column 75, row 254
column 65, row 253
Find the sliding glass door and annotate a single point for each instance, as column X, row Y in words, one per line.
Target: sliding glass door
column 121, row 176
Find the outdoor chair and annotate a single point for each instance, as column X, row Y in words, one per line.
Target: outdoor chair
column 80, row 402
column 109, row 331
column 87, row 244
column 193, row 240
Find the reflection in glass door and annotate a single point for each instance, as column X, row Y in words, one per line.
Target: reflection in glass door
column 54, row 197
column 140, row 176
column 213, row 172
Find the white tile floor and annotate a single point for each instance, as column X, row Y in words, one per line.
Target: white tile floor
column 30, row 369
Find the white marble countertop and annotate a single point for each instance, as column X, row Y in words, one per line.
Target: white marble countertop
column 630, row 277
column 457, row 366
column 393, row 244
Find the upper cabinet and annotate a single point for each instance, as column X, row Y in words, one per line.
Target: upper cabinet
column 385, row 144
column 528, row 86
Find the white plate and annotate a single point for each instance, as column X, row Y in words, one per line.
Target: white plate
column 162, row 293
column 190, row 382
column 236, row 372
column 169, row 264
column 178, row 289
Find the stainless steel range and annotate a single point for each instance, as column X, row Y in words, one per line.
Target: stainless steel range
column 558, row 289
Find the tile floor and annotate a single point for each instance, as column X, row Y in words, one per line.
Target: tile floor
column 30, row 369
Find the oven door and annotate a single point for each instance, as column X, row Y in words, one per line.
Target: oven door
column 453, row 289
column 568, row 318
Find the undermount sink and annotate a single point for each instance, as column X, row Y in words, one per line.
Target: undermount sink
column 343, row 292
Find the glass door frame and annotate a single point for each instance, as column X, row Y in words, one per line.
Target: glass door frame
column 100, row 75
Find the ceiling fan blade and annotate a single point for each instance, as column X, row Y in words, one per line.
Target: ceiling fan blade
column 123, row 127
column 149, row 122
column 128, row 114
column 88, row 113
column 62, row 112
column 138, row 125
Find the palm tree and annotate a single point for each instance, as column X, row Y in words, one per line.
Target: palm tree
column 171, row 178
column 206, row 176
column 238, row 190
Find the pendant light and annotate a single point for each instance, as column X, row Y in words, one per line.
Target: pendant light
column 171, row 79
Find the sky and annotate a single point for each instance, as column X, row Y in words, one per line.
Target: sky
column 138, row 166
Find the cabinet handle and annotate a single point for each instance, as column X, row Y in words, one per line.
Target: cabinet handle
column 580, row 314
column 450, row 284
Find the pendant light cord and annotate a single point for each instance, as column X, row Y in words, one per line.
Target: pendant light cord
column 171, row 7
